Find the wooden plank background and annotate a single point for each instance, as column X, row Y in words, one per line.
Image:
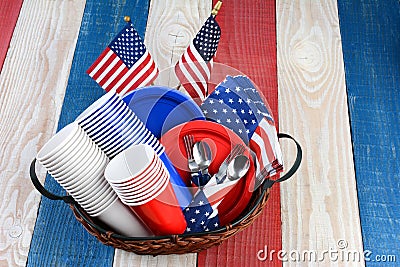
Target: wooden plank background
column 171, row 25
column 50, row 245
column 240, row 22
column 372, row 59
column 32, row 86
column 9, row 11
column 319, row 206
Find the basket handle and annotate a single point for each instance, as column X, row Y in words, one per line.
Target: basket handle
column 269, row 183
column 39, row 187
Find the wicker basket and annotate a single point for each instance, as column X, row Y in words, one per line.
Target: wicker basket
column 173, row 244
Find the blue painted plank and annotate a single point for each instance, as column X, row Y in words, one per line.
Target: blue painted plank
column 58, row 239
column 370, row 32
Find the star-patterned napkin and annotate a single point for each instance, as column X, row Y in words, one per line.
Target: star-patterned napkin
column 238, row 105
column 198, row 215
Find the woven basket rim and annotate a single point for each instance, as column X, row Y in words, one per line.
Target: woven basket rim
column 84, row 218
column 175, row 244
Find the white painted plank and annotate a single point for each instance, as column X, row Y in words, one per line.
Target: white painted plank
column 171, row 26
column 126, row 259
column 32, row 86
column 319, row 204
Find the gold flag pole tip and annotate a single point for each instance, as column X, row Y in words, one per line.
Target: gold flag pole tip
column 127, row 19
column 216, row 8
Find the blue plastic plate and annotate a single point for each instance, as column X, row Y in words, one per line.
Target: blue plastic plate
column 162, row 108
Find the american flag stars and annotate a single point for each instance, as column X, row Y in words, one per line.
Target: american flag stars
column 260, row 127
column 227, row 106
column 241, row 109
column 207, row 39
column 128, row 46
column 125, row 64
column 198, row 213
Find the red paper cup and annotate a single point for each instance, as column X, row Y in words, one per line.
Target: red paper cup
column 162, row 214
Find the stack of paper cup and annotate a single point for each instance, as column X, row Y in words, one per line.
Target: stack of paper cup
column 78, row 166
column 141, row 181
column 114, row 127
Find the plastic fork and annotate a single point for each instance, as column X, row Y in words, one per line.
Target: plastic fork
column 266, row 173
column 238, row 149
column 193, row 166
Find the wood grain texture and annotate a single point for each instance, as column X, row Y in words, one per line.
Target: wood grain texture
column 171, row 26
column 126, row 259
column 59, row 239
column 9, row 11
column 248, row 44
column 319, row 205
column 371, row 55
column 32, row 85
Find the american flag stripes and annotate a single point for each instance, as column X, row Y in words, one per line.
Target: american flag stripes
column 202, row 213
column 264, row 143
column 125, row 64
column 194, row 68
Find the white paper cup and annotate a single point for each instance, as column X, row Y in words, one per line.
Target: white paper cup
column 96, row 208
column 85, row 168
column 122, row 220
column 85, row 151
column 94, row 196
column 82, row 166
column 117, row 170
column 83, row 182
column 89, row 169
column 70, row 144
column 137, row 196
column 89, row 186
column 57, row 142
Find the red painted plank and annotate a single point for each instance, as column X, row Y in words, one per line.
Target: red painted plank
column 9, row 11
column 248, row 43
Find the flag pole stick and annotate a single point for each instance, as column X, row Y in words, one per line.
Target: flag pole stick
column 216, row 8
column 214, row 13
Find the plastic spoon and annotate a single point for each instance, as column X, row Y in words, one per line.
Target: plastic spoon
column 202, row 156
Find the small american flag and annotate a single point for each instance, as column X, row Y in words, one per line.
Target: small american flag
column 125, row 64
column 194, row 68
column 236, row 104
column 200, row 215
